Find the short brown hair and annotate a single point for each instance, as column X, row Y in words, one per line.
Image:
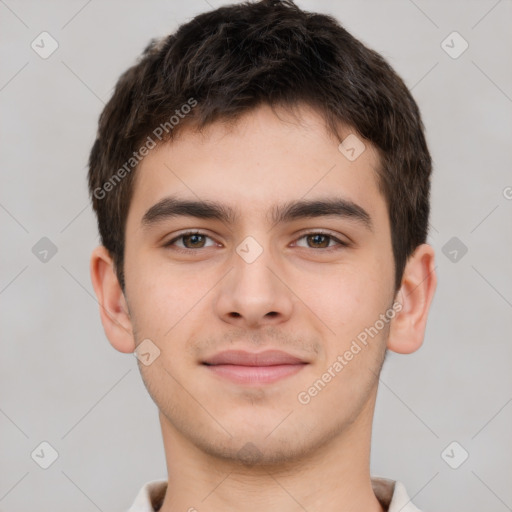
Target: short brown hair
column 228, row 61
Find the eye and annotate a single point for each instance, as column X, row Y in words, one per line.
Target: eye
column 321, row 240
column 191, row 240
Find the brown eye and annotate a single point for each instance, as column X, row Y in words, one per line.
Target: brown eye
column 195, row 240
column 191, row 240
column 322, row 241
column 318, row 240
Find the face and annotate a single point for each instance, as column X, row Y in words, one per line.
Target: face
column 259, row 275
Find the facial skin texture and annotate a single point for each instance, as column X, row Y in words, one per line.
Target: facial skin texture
column 297, row 296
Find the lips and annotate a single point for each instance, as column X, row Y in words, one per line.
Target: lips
column 242, row 358
column 252, row 368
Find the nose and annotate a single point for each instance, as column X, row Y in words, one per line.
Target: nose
column 254, row 294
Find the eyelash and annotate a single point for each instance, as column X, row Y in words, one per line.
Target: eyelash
column 191, row 233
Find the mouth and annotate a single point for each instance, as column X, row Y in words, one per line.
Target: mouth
column 249, row 368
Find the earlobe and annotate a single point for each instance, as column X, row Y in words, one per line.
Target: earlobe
column 415, row 295
column 114, row 311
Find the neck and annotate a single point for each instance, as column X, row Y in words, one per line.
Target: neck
column 334, row 477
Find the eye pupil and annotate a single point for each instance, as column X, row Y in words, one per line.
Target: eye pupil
column 317, row 239
column 194, row 238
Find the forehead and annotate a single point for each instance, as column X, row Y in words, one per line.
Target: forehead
column 263, row 160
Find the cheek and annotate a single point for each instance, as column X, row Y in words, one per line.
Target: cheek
column 155, row 299
column 352, row 300
column 164, row 297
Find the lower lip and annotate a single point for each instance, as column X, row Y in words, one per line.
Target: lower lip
column 255, row 374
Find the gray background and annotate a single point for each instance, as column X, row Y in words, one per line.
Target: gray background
column 61, row 381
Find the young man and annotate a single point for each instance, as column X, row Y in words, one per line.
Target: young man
column 261, row 181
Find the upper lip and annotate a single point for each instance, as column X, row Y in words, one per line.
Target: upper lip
column 243, row 358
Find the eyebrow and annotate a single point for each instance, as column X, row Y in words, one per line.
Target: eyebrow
column 171, row 207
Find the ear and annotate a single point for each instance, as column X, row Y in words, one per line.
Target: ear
column 419, row 283
column 114, row 311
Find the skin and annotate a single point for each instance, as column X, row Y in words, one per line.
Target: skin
column 225, row 442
